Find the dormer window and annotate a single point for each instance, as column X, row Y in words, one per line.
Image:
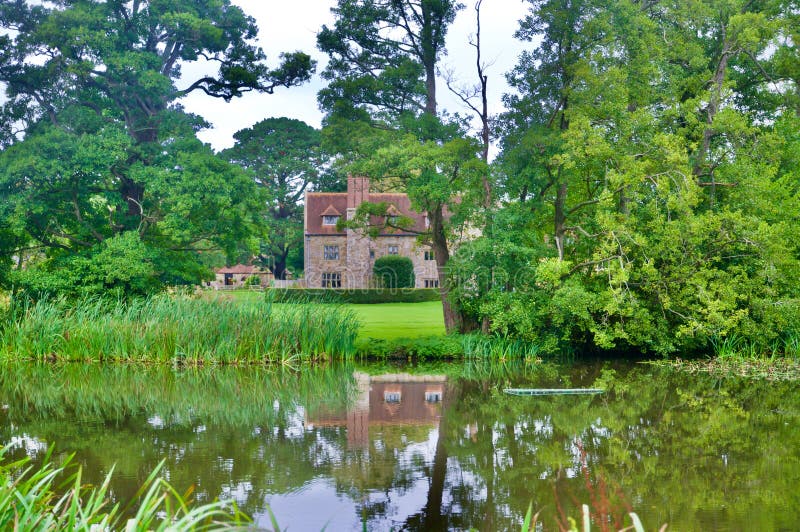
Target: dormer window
column 330, row 216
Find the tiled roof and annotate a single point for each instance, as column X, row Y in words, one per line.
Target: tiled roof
column 318, row 204
column 240, row 269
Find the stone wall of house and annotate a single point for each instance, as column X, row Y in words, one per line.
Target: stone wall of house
column 316, row 264
column 357, row 255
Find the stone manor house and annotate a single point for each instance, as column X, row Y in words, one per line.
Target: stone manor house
column 344, row 259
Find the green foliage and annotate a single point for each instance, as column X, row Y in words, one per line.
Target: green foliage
column 284, row 157
column 468, row 346
column 97, row 148
column 54, row 497
column 648, row 187
column 499, row 348
column 360, row 296
column 433, row 347
column 177, row 329
column 253, row 280
column 394, row 271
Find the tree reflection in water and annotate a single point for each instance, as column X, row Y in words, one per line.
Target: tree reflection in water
column 332, row 445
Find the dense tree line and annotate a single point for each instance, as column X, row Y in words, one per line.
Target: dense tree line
column 645, row 195
column 104, row 183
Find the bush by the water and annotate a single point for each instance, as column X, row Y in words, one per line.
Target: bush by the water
column 352, row 295
column 53, row 498
column 177, row 328
column 394, row 271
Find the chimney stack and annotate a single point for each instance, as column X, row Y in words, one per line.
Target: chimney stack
column 357, row 191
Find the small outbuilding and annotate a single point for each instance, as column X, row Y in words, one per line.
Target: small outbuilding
column 240, row 276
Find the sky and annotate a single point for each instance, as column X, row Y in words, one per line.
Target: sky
column 289, row 25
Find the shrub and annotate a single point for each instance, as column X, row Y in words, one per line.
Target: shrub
column 354, row 296
column 422, row 347
column 394, row 271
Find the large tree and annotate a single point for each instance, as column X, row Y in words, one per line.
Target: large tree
column 99, row 146
column 383, row 113
column 284, row 157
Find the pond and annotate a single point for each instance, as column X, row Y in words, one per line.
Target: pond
column 416, row 447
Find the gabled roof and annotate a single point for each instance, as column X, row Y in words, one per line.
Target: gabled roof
column 330, row 211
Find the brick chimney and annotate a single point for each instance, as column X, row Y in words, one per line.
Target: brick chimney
column 357, row 191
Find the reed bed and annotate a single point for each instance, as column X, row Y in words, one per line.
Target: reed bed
column 54, row 498
column 499, row 348
column 177, row 329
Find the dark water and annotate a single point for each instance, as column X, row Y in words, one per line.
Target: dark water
column 427, row 448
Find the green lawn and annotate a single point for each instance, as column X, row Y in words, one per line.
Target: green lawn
column 399, row 320
column 381, row 320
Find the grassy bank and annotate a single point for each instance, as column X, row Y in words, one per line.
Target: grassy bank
column 399, row 320
column 54, row 498
column 178, row 330
column 382, row 321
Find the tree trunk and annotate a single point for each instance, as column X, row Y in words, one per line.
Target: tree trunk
column 452, row 316
column 133, row 194
column 560, row 218
column 702, row 164
column 279, row 265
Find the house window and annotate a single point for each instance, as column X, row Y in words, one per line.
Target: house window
column 331, row 253
column 330, row 219
column 433, row 397
column 391, row 397
column 431, row 283
column 394, row 250
column 372, row 253
column 429, row 255
column 392, row 220
column 332, row 280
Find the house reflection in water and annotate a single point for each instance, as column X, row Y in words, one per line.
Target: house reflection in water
column 391, row 399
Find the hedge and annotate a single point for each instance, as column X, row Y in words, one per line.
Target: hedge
column 394, row 271
column 352, row 295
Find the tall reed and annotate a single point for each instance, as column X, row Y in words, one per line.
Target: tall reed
column 178, row 329
column 39, row 499
column 499, row 348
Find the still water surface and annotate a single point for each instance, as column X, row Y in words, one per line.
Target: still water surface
column 426, row 447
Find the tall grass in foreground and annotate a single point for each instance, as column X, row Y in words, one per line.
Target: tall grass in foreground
column 177, row 329
column 530, row 524
column 38, row 499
